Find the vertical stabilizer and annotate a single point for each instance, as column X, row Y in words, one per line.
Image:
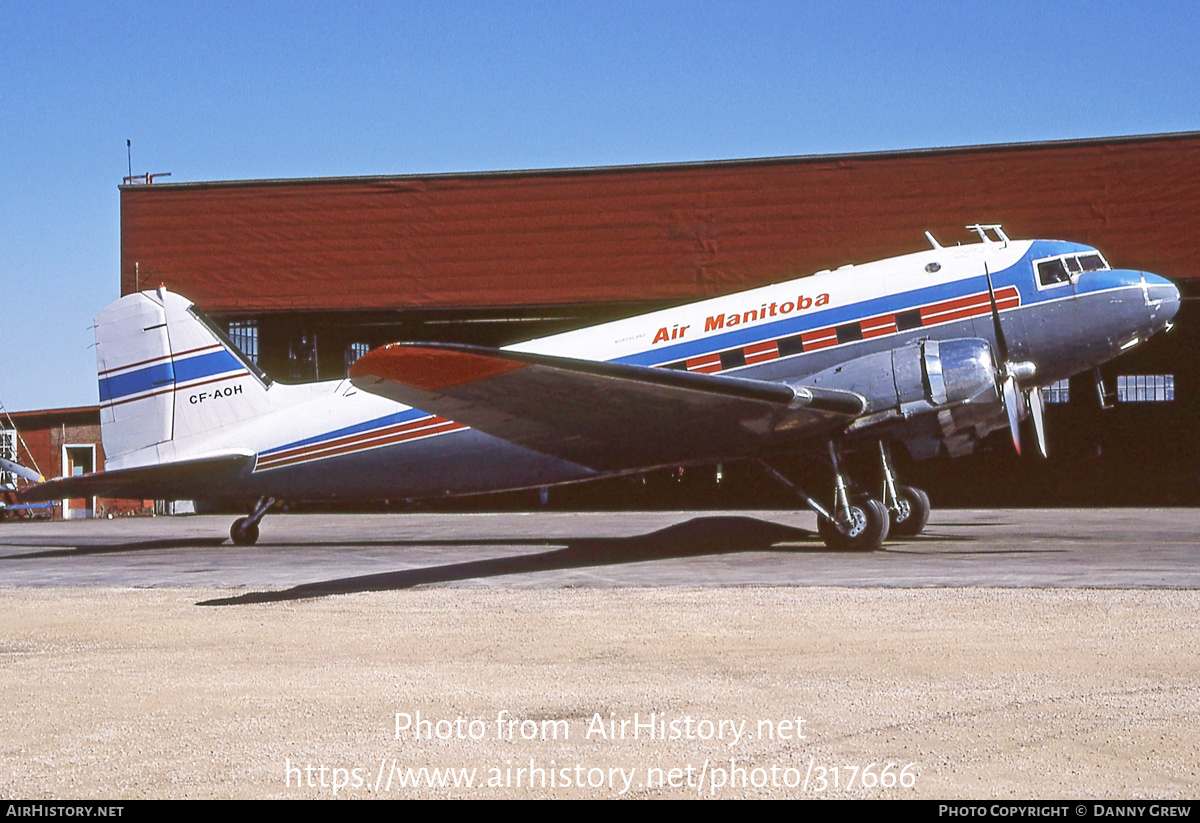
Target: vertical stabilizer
column 133, row 363
column 170, row 383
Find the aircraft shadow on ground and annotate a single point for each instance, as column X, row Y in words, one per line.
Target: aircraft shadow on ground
column 217, row 542
column 697, row 537
column 118, row 548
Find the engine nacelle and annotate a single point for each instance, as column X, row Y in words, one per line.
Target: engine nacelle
column 929, row 395
column 916, row 378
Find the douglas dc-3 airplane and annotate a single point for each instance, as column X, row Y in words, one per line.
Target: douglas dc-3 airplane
column 932, row 350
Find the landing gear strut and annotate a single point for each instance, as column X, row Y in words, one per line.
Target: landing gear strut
column 907, row 507
column 858, row 525
column 244, row 531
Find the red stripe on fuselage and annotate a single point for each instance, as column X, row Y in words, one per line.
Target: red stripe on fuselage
column 432, row 426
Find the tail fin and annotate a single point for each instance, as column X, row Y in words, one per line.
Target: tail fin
column 169, row 380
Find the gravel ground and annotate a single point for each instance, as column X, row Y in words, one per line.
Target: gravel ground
column 743, row 692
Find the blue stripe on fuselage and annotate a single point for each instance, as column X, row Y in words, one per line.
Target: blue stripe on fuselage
column 1020, row 275
column 833, row 316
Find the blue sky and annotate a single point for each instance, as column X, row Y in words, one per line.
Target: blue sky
column 219, row 91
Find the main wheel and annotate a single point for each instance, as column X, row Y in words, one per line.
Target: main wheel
column 243, row 534
column 914, row 514
column 866, row 530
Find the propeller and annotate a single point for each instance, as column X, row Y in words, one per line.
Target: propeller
column 1008, row 374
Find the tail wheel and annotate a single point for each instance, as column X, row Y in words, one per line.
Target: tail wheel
column 865, row 531
column 242, row 534
column 914, row 512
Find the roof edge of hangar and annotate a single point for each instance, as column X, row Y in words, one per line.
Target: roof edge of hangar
column 1086, row 142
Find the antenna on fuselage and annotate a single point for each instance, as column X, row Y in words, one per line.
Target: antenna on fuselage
column 932, row 241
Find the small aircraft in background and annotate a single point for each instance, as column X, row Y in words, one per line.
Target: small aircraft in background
column 931, row 351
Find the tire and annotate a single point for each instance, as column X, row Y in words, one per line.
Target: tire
column 242, row 534
column 866, row 532
column 913, row 523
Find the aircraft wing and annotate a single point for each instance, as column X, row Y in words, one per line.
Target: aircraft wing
column 163, row 481
column 606, row 416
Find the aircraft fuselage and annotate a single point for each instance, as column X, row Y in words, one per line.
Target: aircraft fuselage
column 333, row 441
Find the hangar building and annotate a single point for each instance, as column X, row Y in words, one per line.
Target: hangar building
column 307, row 274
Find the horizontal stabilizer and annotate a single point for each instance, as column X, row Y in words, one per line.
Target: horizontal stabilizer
column 165, row 481
column 606, row 416
column 21, row 471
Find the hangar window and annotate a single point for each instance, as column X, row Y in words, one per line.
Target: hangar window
column 8, row 450
column 303, row 362
column 244, row 335
column 1058, row 392
column 1146, row 388
column 244, row 356
column 353, row 352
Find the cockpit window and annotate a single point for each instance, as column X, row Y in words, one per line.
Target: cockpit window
column 1052, row 271
column 1061, row 269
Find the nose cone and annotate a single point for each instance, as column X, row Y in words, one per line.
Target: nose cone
column 1162, row 299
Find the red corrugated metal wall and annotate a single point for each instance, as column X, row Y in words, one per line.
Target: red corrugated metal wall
column 648, row 233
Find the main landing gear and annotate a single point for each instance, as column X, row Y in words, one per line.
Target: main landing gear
column 908, row 507
column 244, row 531
column 861, row 522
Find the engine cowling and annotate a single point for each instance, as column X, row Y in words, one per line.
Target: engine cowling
column 929, row 394
column 930, row 374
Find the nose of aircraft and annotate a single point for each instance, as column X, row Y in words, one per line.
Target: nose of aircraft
column 1162, row 299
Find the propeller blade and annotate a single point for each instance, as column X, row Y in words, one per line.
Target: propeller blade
column 1011, row 399
column 1037, row 411
column 20, row 471
column 1001, row 343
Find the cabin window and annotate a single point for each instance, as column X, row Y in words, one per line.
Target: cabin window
column 1146, row 388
